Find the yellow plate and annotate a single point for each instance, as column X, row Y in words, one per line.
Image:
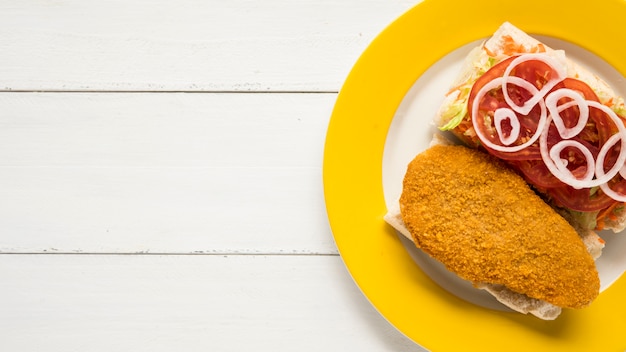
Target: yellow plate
column 353, row 189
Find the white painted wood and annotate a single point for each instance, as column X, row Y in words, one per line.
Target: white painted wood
column 165, row 173
column 195, row 175
column 163, row 130
column 187, row 303
column 190, row 45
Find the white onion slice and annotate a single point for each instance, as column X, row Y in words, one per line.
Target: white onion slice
column 561, row 73
column 561, row 164
column 555, row 110
column 612, row 194
column 552, row 160
column 600, row 168
column 502, row 115
column 621, row 159
column 493, row 84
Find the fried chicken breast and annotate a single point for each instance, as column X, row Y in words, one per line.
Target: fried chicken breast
column 483, row 222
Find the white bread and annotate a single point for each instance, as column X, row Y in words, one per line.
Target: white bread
column 516, row 301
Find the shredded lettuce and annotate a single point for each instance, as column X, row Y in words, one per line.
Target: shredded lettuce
column 489, row 64
column 457, row 111
column 619, row 107
column 454, row 115
column 585, row 219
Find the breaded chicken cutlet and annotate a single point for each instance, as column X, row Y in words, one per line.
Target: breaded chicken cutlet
column 483, row 222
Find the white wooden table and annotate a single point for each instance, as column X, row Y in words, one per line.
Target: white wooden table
column 161, row 180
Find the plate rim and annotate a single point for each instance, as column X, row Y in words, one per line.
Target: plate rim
column 352, row 178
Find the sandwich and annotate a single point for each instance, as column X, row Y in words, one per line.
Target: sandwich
column 558, row 130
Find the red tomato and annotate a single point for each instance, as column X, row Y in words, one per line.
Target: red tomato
column 528, row 161
column 580, row 199
column 532, row 71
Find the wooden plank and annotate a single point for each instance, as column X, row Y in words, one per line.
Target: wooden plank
column 163, row 130
column 187, row 45
column 165, row 173
column 187, row 303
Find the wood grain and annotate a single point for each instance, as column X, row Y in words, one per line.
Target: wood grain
column 187, row 45
column 161, row 176
column 164, row 173
column 191, row 303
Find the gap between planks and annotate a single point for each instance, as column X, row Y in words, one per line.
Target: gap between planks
column 56, row 91
column 195, row 253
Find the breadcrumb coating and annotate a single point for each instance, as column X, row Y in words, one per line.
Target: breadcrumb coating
column 476, row 216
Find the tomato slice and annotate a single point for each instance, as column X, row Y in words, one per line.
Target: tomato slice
column 583, row 199
column 533, row 71
column 494, row 72
column 580, row 199
column 528, row 161
column 600, row 127
column 537, row 174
